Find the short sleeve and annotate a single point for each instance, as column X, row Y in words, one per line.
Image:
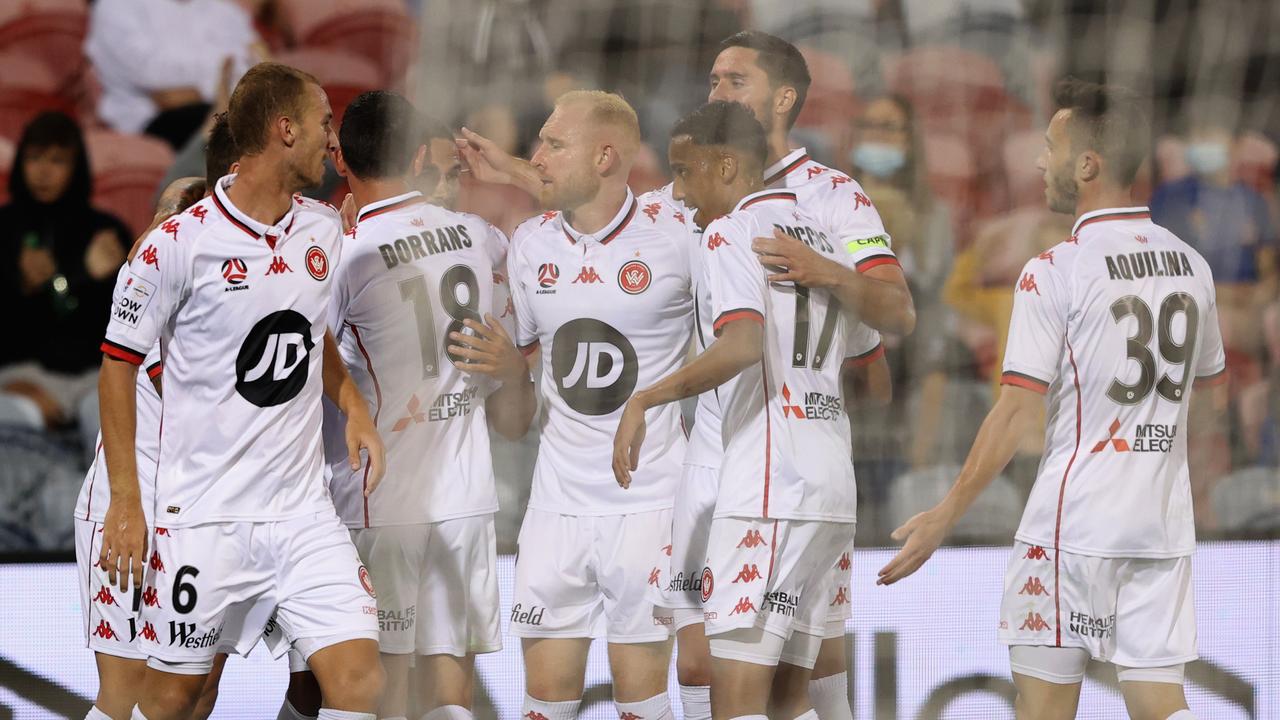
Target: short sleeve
column 519, row 278
column 1211, row 360
column 1037, row 329
column 862, row 345
column 734, row 275
column 856, row 222
column 340, row 293
column 148, row 292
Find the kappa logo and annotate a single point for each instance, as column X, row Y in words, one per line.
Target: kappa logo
column 861, row 200
column 414, row 417
column 199, row 212
column 666, row 550
column 548, row 273
column 716, row 240
column 634, row 277
column 1035, row 552
column 753, row 539
column 548, row 215
column 534, row 715
column 151, row 257
column 150, row 597
column 1120, row 444
column 278, row 266
column 156, row 563
column 1046, row 255
column 743, row 607
column 679, row 216
column 629, row 716
column 841, row 598
column 417, row 222
column 509, row 310
column 1028, row 283
column 653, row 577
column 1033, row 586
column 844, row 563
column 790, row 409
column 587, row 276
column 815, row 172
column 1034, row 622
column 149, row 632
column 1141, row 239
column 105, row 597
column 163, row 532
column 104, row 631
column 651, row 211
column 170, row 226
column 748, row 573
column 837, row 180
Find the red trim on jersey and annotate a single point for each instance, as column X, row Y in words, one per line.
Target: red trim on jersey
column 1027, row 382
column 729, row 316
column 786, row 170
column 88, row 571
column 1135, row 215
column 1213, row 380
column 393, row 206
column 768, row 439
column 234, row 220
column 875, row 261
column 529, row 349
column 631, row 213
column 120, row 352
column 779, row 195
column 1062, row 491
column 377, row 391
column 155, row 370
column 773, row 549
column 88, row 510
column 866, row 358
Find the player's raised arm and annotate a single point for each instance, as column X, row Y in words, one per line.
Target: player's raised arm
column 491, row 164
column 361, row 431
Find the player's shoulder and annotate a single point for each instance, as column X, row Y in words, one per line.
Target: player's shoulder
column 187, row 226
column 319, row 209
column 543, row 223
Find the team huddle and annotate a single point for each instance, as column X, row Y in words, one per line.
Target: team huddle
column 306, row 460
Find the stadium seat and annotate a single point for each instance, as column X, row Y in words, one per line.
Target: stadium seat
column 832, row 101
column 344, row 75
column 1025, row 182
column 52, row 32
column 992, row 518
column 127, row 172
column 380, row 30
column 1247, row 502
column 27, row 88
column 7, row 150
column 953, row 178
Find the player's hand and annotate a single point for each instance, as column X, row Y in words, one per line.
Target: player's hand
column 627, row 441
column 362, row 434
column 490, row 351
column 348, row 212
column 483, row 158
column 922, row 535
column 124, row 543
column 794, row 261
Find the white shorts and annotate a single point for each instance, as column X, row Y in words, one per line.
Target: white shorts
column 581, row 576
column 218, row 585
column 1137, row 613
column 110, row 616
column 770, row 574
column 691, row 521
column 839, row 595
column 437, row 586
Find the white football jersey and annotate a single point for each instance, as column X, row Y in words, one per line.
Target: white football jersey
column 787, row 451
column 1115, row 325
column 239, row 308
column 410, row 274
column 95, row 493
column 612, row 312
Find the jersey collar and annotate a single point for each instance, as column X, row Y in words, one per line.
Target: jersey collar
column 1097, row 216
column 610, row 231
column 779, row 170
column 255, row 229
column 388, row 204
column 764, row 196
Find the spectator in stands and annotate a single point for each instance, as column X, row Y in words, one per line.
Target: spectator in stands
column 59, row 257
column 160, row 61
column 1230, row 224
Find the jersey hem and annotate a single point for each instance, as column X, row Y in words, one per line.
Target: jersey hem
column 359, row 524
column 1108, row 554
column 805, row 517
column 223, row 519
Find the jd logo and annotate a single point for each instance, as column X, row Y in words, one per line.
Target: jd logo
column 272, row 366
column 594, row 366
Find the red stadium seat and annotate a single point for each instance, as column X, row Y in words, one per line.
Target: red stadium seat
column 27, row 88
column 343, row 75
column 953, row 178
column 832, row 102
column 127, row 172
column 6, row 168
column 379, row 30
column 52, row 33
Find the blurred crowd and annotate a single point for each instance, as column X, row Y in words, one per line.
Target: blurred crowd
column 937, row 107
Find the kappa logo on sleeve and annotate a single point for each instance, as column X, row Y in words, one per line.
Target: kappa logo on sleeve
column 132, row 300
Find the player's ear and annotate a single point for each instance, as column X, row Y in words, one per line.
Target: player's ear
column 729, row 168
column 287, row 129
column 608, row 161
column 340, row 163
column 419, row 160
column 784, row 98
column 1088, row 166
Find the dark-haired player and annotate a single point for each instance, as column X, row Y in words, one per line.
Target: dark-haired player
column 786, row 499
column 1115, row 327
column 436, row 170
column 415, row 323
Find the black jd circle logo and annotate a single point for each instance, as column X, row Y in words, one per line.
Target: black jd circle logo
column 594, row 366
column 272, row 366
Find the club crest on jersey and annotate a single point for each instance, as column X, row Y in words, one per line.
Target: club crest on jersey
column 366, row 582
column 634, row 277
column 317, row 263
column 234, row 271
column 708, row 581
column 548, row 274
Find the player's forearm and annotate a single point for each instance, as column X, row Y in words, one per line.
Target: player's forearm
column 997, row 441
column 883, row 304
column 739, row 346
column 869, row 385
column 118, row 417
column 339, row 386
column 511, row 408
column 524, row 176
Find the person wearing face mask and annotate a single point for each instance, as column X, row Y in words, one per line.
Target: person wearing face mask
column 1230, row 224
column 60, row 257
